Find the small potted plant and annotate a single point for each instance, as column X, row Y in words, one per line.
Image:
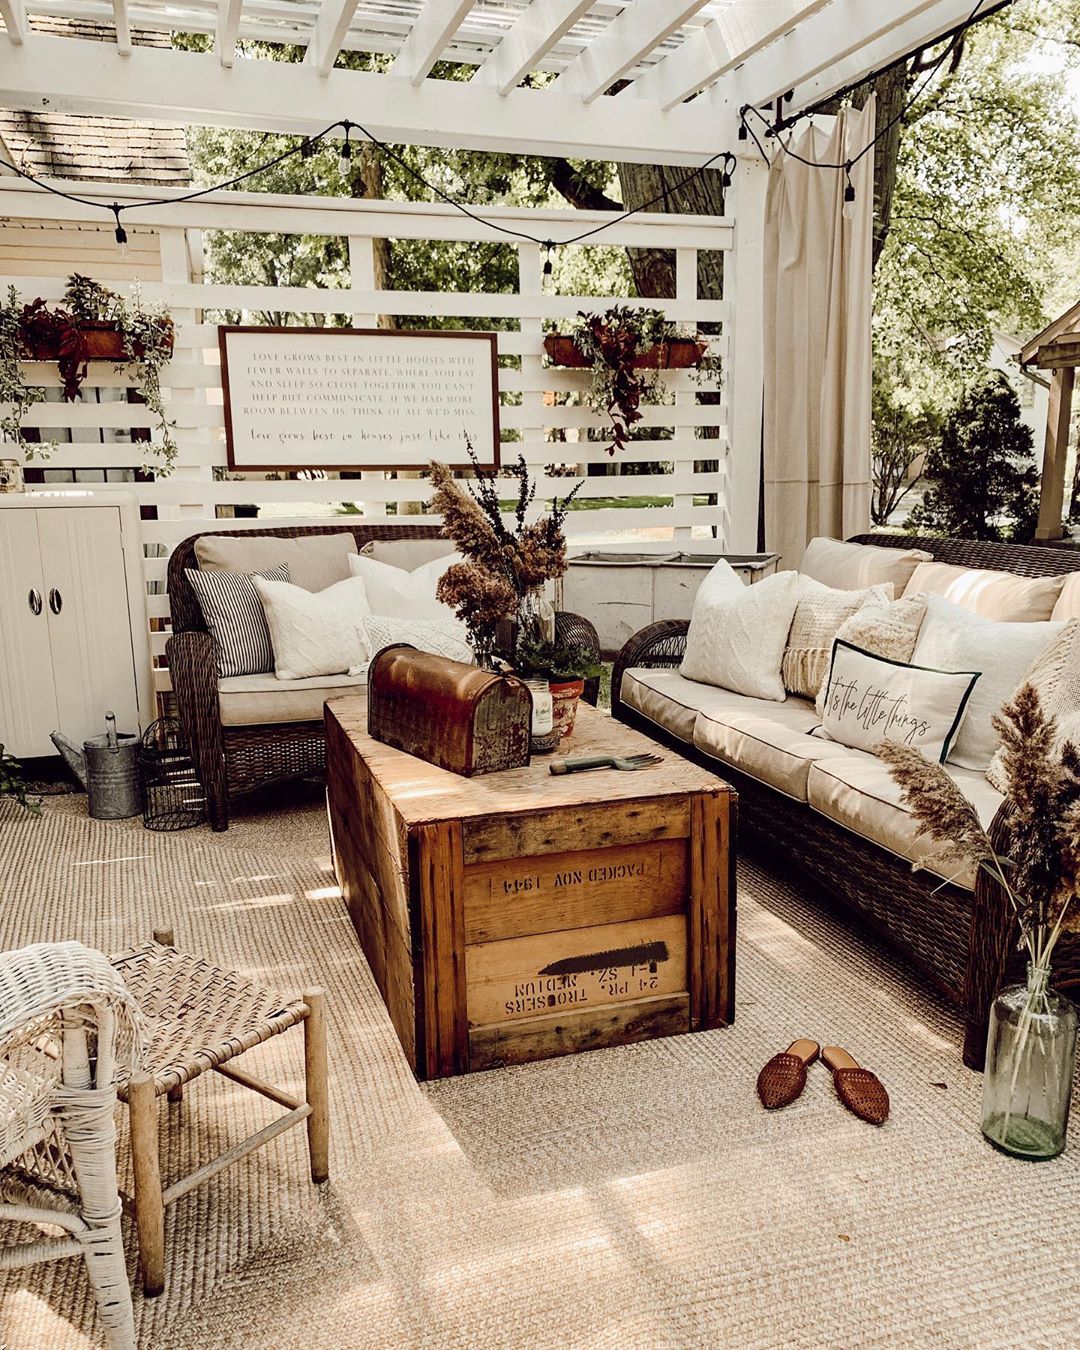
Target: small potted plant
column 626, row 349
column 565, row 666
column 15, row 786
column 92, row 324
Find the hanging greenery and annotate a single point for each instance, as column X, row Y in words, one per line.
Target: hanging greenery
column 93, row 323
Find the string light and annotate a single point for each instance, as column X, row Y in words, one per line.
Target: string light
column 849, row 193
column 345, row 159
column 549, row 244
column 121, row 233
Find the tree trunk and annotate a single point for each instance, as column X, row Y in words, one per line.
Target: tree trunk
column 654, row 269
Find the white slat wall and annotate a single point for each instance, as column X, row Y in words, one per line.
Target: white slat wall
column 186, row 501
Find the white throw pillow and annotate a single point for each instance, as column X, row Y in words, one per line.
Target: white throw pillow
column 994, row 595
column 401, row 594
column 882, row 630
column 954, row 638
column 316, row 632
column 1055, row 673
column 818, row 615
column 426, row 635
column 1068, row 602
column 870, row 699
column 851, row 567
column 738, row 633
column 315, row 560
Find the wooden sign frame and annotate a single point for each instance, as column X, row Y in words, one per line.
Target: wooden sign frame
column 487, row 460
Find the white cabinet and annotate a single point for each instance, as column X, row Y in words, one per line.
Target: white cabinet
column 72, row 618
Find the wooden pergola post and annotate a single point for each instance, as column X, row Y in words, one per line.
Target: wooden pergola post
column 1055, row 451
column 1055, row 350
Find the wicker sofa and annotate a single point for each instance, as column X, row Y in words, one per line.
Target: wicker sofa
column 234, row 755
column 961, row 940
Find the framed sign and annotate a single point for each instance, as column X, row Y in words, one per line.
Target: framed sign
column 358, row 398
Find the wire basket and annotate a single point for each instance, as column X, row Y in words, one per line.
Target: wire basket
column 173, row 797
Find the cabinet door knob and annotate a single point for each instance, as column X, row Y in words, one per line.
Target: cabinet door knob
column 56, row 600
column 33, row 599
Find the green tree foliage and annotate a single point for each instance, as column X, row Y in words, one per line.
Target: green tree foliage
column 901, row 439
column 982, row 472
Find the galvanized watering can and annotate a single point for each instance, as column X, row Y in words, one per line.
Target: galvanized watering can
column 108, row 768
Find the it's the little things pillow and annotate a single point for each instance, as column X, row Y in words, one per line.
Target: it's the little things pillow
column 870, row 699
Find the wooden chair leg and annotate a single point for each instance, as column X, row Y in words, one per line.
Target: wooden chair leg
column 315, row 1073
column 149, row 1207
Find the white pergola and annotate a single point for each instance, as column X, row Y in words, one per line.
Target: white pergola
column 646, row 80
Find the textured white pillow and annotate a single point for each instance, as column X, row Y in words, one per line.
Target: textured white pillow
column 316, row 632
column 882, row 630
column 871, row 699
column 954, row 638
column 738, row 633
column 818, row 615
column 1055, row 673
column 850, row 567
column 401, row 594
column 426, row 635
column 994, row 595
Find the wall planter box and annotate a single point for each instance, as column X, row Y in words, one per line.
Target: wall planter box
column 102, row 341
column 675, row 354
column 623, row 590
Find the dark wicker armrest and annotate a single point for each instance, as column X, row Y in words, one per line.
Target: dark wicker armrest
column 578, row 631
column 193, row 670
column 657, row 646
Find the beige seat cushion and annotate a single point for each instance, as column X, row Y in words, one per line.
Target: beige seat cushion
column 315, row 560
column 1068, row 602
column 769, row 741
column 257, row 700
column 994, row 595
column 408, row 553
column 853, row 567
column 669, row 699
column 857, row 790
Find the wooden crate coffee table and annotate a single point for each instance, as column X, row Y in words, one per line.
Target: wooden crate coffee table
column 520, row 915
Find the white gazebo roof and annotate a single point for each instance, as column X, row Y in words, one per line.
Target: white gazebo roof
column 601, row 78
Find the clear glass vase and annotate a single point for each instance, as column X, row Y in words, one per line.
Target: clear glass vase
column 1030, row 1053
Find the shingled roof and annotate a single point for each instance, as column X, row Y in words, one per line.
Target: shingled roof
column 109, row 149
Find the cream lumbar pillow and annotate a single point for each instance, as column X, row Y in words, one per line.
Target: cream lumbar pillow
column 1055, row 673
column 316, row 632
column 994, row 595
column 954, row 638
column 883, row 630
column 427, row 635
column 402, row 594
column 738, row 633
column 818, row 616
column 870, row 699
column 851, row 567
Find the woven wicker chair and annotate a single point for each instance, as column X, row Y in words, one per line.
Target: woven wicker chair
column 202, row 1017
column 234, row 760
column 68, row 1029
column 963, row 944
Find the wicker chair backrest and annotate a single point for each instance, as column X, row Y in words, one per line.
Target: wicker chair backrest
column 1024, row 560
column 183, row 604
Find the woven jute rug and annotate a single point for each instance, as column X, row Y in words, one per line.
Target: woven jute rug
column 636, row 1197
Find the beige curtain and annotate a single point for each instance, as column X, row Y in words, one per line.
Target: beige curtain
column 817, row 339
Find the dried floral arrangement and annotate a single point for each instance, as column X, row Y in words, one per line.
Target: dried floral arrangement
column 615, row 343
column 1041, row 874
column 65, row 333
column 503, row 566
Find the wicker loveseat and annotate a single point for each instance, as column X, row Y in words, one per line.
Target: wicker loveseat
column 232, row 759
column 961, row 940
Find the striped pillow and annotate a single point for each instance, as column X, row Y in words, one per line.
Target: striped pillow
column 234, row 617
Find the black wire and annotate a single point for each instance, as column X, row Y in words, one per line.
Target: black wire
column 849, row 164
column 729, row 158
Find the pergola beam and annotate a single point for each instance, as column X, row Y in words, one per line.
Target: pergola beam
column 627, row 38
column 14, row 12
column 435, row 25
column 161, row 84
column 836, row 48
column 721, row 45
column 1055, row 454
column 540, row 27
column 228, row 28
column 328, row 35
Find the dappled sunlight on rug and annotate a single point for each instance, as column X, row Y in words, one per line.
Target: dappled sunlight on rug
column 636, row 1197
